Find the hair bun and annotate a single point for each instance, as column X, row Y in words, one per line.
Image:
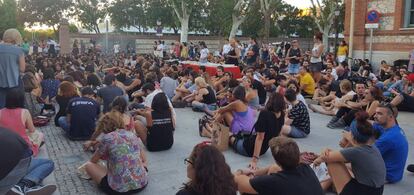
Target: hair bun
column 361, row 117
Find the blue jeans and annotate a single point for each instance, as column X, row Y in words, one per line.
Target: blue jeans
column 296, row 133
column 204, row 107
column 293, row 68
column 63, row 123
column 15, row 175
column 398, row 86
column 39, row 169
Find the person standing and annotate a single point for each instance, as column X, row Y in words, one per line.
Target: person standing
column 252, row 53
column 316, row 57
column 411, row 63
column 342, row 52
column 203, row 53
column 294, row 55
column 12, row 63
column 233, row 56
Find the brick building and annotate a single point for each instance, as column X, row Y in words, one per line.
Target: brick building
column 395, row 37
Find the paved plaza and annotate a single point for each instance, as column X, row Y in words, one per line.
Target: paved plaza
column 167, row 170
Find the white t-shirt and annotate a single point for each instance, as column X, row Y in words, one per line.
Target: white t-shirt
column 116, row 48
column 203, row 55
column 226, row 49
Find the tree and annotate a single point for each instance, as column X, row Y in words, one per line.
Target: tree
column 183, row 10
column 239, row 13
column 48, row 12
column 89, row 13
column 128, row 13
column 218, row 20
column 323, row 12
column 8, row 9
column 267, row 8
column 161, row 10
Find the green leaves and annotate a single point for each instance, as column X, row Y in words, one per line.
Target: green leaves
column 8, row 11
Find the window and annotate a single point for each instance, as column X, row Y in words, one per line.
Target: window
column 409, row 14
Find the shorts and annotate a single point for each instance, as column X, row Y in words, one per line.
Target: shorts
column 293, row 68
column 104, row 186
column 296, row 132
column 315, row 67
column 354, row 187
column 239, row 148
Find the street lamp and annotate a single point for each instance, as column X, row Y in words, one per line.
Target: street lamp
column 337, row 12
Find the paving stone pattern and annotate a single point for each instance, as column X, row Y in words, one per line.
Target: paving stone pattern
column 167, row 171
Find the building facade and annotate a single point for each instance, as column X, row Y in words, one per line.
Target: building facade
column 393, row 40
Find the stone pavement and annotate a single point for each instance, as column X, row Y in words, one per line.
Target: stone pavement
column 167, row 170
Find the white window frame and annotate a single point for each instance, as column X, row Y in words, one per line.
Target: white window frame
column 407, row 13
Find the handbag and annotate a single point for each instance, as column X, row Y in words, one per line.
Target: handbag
column 242, row 135
column 220, row 136
column 40, row 121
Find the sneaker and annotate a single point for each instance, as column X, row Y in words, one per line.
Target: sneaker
column 338, row 124
column 333, row 120
column 410, row 168
column 41, row 190
column 17, row 190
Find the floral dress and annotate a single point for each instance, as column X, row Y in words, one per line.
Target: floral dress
column 122, row 150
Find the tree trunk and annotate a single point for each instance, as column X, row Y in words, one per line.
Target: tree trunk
column 184, row 28
column 267, row 26
column 325, row 38
column 235, row 26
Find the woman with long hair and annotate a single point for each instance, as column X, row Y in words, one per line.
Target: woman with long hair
column 267, row 126
column 66, row 92
column 208, row 172
column 126, row 171
column 316, row 57
column 158, row 134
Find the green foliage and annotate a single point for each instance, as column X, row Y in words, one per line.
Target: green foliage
column 73, row 28
column 161, row 10
column 128, row 13
column 218, row 21
column 8, row 11
column 90, row 12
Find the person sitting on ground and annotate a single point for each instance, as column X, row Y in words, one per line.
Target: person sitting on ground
column 77, row 124
column 286, row 176
column 208, row 173
column 158, row 132
column 205, row 98
column 15, row 117
column 372, row 99
column 186, row 87
column 307, row 84
column 267, row 126
column 325, row 92
column 251, row 94
column 126, row 171
column 368, row 168
column 50, row 87
column 66, row 92
column 221, row 82
column 168, row 84
column 297, row 122
column 108, row 93
column 30, row 99
column 292, row 84
column 392, row 142
column 257, row 85
column 402, row 100
column 330, row 108
column 237, row 114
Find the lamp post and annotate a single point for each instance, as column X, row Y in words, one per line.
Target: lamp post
column 337, row 12
column 106, row 33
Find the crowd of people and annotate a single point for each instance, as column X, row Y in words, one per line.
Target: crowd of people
column 123, row 104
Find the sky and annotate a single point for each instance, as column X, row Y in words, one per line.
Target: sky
column 299, row 3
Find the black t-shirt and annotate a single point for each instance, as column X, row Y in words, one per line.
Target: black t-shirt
column 334, row 87
column 256, row 51
column 299, row 181
column 160, row 134
column 209, row 98
column 300, row 115
column 268, row 124
column 63, row 105
column 261, row 92
column 84, row 112
column 12, row 149
column 294, row 52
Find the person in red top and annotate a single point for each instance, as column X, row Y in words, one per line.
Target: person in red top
column 15, row 117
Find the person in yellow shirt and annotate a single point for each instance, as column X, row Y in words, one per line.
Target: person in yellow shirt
column 342, row 52
column 307, row 84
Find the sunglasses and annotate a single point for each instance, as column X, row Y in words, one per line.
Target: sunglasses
column 187, row 161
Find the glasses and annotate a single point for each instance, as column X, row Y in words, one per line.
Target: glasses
column 187, row 161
